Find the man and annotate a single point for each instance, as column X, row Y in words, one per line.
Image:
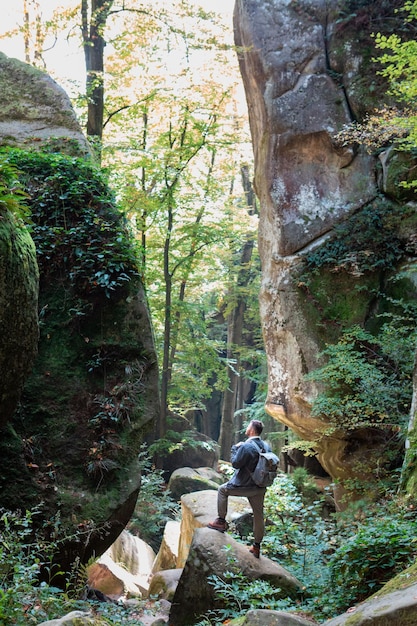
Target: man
column 244, row 457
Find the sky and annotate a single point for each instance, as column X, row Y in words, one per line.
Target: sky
column 64, row 60
column 65, row 57
column 60, row 59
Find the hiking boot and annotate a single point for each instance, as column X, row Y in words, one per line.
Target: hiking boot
column 219, row 524
column 256, row 551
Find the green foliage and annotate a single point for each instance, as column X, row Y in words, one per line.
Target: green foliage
column 304, row 484
column 384, row 544
column 340, row 559
column 26, row 598
column 296, row 533
column 367, row 378
column 399, row 60
column 395, row 37
column 174, row 440
column 23, row 553
column 12, row 196
column 76, row 228
column 366, row 242
column 154, row 505
column 239, row 595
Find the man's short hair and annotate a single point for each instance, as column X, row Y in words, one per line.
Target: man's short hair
column 258, row 426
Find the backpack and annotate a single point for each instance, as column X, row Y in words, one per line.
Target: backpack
column 266, row 468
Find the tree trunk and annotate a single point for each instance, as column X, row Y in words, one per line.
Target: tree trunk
column 166, row 365
column 234, row 332
column 26, row 33
column 408, row 481
column 92, row 29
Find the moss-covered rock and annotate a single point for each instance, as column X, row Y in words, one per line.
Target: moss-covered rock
column 93, row 391
column 35, row 112
column 18, row 310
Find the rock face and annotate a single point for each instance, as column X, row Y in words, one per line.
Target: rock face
column 305, row 184
column 306, row 76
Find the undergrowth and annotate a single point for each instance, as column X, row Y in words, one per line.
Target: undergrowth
column 366, row 242
column 339, row 559
column 28, row 594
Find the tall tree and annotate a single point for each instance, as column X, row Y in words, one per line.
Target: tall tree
column 237, row 301
column 179, row 215
column 183, row 139
column 94, row 15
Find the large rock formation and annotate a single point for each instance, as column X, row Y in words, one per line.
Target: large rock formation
column 307, row 72
column 35, row 113
column 71, row 449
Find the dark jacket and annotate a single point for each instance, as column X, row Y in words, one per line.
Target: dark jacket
column 244, row 457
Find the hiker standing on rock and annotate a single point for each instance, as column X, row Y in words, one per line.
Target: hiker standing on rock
column 244, row 458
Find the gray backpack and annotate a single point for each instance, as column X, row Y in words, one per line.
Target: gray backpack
column 266, row 468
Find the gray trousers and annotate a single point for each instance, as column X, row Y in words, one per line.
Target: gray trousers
column 255, row 495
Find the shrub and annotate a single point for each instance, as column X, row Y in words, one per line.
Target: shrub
column 367, row 378
column 383, row 545
column 239, row 595
column 23, row 552
column 366, row 242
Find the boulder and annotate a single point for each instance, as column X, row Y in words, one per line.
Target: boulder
column 397, row 607
column 264, row 617
column 124, row 568
column 213, row 553
column 164, row 584
column 92, row 392
column 111, row 580
column 167, row 556
column 75, row 618
column 134, row 554
column 187, row 479
column 35, row 112
column 193, row 450
column 200, row 508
